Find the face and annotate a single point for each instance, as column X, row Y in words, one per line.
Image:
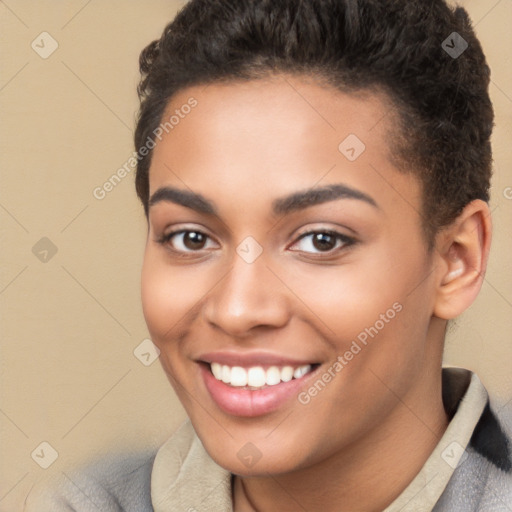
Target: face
column 286, row 279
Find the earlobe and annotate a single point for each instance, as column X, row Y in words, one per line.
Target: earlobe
column 462, row 253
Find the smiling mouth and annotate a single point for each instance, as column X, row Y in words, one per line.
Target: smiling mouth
column 258, row 377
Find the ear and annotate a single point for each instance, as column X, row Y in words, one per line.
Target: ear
column 462, row 253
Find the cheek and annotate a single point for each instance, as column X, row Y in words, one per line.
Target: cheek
column 350, row 298
column 168, row 293
column 382, row 301
column 157, row 302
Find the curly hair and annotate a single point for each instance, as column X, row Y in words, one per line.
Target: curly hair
column 444, row 113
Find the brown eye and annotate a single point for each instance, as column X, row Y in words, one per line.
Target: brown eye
column 317, row 242
column 194, row 240
column 188, row 241
column 324, row 241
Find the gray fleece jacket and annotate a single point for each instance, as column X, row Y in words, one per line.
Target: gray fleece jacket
column 181, row 477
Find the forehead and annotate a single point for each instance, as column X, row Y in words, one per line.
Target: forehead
column 264, row 137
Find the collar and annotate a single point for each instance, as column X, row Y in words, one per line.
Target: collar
column 184, row 477
column 464, row 399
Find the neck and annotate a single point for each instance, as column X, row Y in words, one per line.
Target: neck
column 366, row 476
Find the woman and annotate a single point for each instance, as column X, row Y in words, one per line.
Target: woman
column 315, row 177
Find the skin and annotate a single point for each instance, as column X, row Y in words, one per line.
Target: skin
column 360, row 441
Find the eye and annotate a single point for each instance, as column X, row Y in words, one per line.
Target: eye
column 321, row 242
column 187, row 240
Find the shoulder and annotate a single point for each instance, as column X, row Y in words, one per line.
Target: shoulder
column 117, row 483
column 483, row 479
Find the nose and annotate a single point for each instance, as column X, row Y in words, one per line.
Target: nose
column 249, row 296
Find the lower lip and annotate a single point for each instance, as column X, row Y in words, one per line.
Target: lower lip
column 247, row 402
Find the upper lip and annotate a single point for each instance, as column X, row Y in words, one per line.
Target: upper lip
column 250, row 359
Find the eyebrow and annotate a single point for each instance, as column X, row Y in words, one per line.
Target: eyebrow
column 185, row 198
column 314, row 196
column 296, row 201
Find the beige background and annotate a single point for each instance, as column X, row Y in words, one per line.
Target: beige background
column 70, row 325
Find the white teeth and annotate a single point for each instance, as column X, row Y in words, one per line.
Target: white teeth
column 256, row 376
column 286, row 373
column 273, row 376
column 238, row 376
column 226, row 374
column 217, row 370
column 301, row 370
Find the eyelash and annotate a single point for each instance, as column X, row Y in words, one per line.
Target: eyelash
column 165, row 239
column 345, row 240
